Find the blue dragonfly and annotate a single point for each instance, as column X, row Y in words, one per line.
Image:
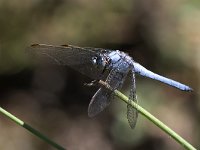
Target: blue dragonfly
column 112, row 66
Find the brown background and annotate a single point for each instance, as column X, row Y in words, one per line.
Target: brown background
column 164, row 36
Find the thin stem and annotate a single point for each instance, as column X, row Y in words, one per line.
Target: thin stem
column 153, row 119
column 30, row 129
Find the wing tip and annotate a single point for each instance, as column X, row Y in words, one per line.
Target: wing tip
column 92, row 112
column 34, row 45
column 65, row 45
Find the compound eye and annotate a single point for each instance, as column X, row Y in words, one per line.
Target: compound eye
column 94, row 60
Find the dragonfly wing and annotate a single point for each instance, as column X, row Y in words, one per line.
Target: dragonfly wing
column 132, row 113
column 75, row 57
column 99, row 101
column 103, row 96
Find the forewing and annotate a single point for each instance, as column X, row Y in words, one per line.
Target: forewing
column 75, row 57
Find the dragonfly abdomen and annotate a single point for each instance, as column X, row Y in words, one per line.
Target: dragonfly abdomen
column 147, row 73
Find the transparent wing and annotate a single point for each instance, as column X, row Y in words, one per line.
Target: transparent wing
column 132, row 113
column 75, row 57
column 99, row 101
column 103, row 96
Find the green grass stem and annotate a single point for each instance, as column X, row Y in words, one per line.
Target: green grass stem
column 30, row 129
column 153, row 119
column 122, row 97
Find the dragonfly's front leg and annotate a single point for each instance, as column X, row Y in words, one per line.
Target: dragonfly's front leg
column 132, row 113
column 92, row 83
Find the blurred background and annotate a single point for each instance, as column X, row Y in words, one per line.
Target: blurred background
column 163, row 36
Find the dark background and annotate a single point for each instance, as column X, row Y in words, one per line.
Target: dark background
column 163, row 36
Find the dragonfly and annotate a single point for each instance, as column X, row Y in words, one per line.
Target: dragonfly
column 112, row 66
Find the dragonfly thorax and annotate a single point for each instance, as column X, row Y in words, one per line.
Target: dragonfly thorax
column 114, row 56
column 117, row 57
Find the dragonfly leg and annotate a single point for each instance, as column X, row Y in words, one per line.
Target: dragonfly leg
column 92, row 83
